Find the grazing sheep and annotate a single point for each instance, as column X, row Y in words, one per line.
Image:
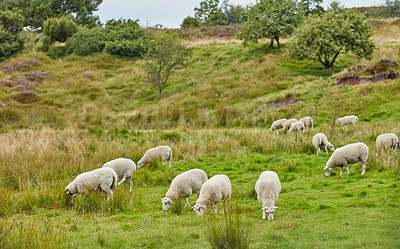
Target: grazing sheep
column 349, row 154
column 346, row 120
column 184, row 185
column 297, row 126
column 387, row 141
column 268, row 187
column 216, row 189
column 287, row 124
column 124, row 168
column 308, row 122
column 161, row 152
column 102, row 179
column 277, row 125
column 321, row 141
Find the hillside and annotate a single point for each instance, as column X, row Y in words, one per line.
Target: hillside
column 227, row 85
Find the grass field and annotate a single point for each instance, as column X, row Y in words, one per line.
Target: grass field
column 85, row 111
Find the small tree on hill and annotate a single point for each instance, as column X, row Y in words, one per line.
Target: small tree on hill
column 11, row 42
column 324, row 37
column 167, row 54
column 270, row 19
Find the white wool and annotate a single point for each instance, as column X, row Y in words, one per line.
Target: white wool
column 267, row 188
column 163, row 153
column 349, row 154
column 277, row 125
column 214, row 190
column 346, row 120
column 124, row 168
column 320, row 141
column 184, row 185
column 297, row 127
column 308, row 122
column 288, row 123
column 102, row 179
column 387, row 141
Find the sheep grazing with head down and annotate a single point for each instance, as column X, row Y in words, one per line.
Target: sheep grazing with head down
column 320, row 141
column 102, row 179
column 214, row 190
column 277, row 125
column 387, row 141
column 184, row 185
column 267, row 188
column 161, row 152
column 308, row 122
column 297, row 127
column 287, row 124
column 347, row 120
column 124, row 168
column 349, row 154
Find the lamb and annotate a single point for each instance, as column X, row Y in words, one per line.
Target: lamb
column 267, row 188
column 124, row 168
column 346, row 120
column 349, row 154
column 297, row 126
column 321, row 141
column 288, row 123
column 277, row 125
column 161, row 152
column 387, row 141
column 184, row 185
column 102, row 179
column 308, row 122
column 214, row 190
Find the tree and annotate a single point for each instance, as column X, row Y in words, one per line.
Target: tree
column 392, row 8
column 190, row 22
column 209, row 13
column 324, row 37
column 10, row 40
column 312, row 6
column 167, row 54
column 233, row 14
column 270, row 19
column 57, row 29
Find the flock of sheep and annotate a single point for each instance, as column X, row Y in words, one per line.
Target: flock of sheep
column 218, row 188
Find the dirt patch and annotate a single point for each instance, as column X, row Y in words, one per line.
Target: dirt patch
column 282, row 102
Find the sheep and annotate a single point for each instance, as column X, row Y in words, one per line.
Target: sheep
column 267, row 188
column 277, row 125
column 308, row 122
column 346, row 120
column 321, row 141
column 287, row 124
column 297, row 126
column 161, row 152
column 349, row 154
column 184, row 185
column 102, row 179
column 214, row 190
column 124, row 168
column 387, row 141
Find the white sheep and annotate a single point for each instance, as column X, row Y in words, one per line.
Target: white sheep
column 321, row 141
column 308, row 122
column 214, row 190
column 267, row 188
column 346, row 120
column 349, row 154
column 277, row 125
column 288, row 123
column 102, row 179
column 297, row 126
column 184, row 185
column 161, row 152
column 387, row 141
column 124, row 168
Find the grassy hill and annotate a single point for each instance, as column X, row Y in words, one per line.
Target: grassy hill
column 59, row 118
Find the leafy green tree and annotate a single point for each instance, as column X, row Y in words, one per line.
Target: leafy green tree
column 209, row 13
column 10, row 40
column 167, row 54
column 233, row 14
column 12, row 21
column 57, row 29
column 324, row 38
column 392, row 8
column 311, row 6
column 270, row 19
column 190, row 22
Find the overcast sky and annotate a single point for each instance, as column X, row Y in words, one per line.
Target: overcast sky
column 170, row 13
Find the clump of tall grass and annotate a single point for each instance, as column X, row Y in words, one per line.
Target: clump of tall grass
column 229, row 231
column 95, row 203
column 177, row 206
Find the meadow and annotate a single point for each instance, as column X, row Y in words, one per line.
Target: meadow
column 215, row 115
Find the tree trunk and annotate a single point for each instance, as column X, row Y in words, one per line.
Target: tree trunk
column 277, row 41
column 271, row 44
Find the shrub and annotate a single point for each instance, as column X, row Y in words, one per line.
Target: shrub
column 57, row 29
column 9, row 44
column 12, row 21
column 126, row 48
column 55, row 52
column 86, row 41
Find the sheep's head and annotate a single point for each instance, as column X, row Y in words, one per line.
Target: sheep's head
column 327, row 171
column 330, row 146
column 166, row 203
column 199, row 208
column 140, row 163
column 336, row 121
column 268, row 211
column 68, row 192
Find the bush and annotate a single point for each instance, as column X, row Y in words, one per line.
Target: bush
column 9, row 44
column 86, row 41
column 12, row 21
column 126, row 48
column 57, row 29
column 55, row 52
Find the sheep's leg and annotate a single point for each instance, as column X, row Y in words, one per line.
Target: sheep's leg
column 363, row 170
column 215, row 207
column 131, row 182
column 326, row 149
column 110, row 195
column 169, row 162
column 347, row 167
column 341, row 168
column 317, row 151
column 123, row 179
column 187, row 202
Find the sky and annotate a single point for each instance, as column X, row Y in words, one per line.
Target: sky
column 170, row 13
